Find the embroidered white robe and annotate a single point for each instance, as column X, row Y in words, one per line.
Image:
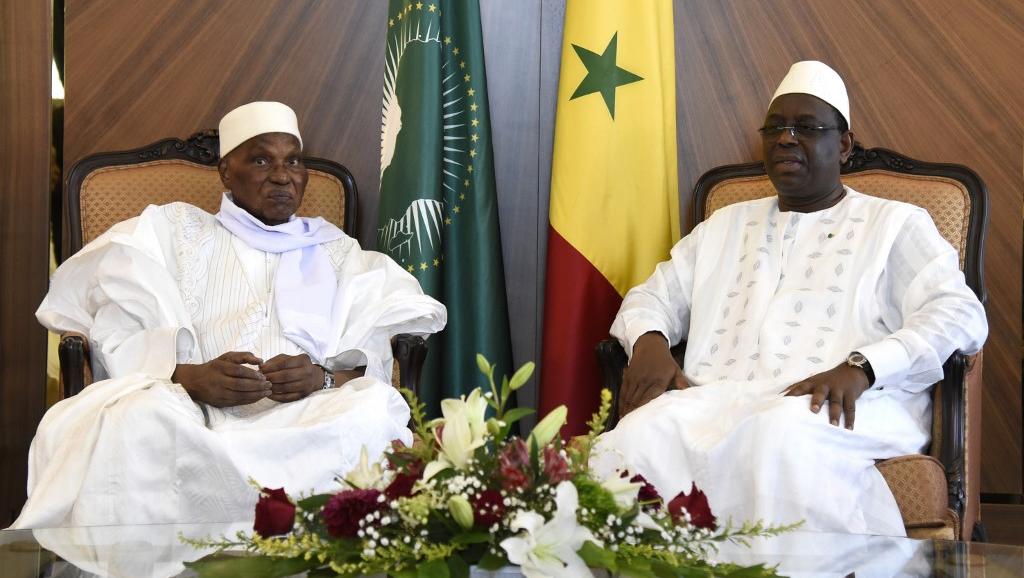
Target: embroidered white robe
column 173, row 286
column 765, row 299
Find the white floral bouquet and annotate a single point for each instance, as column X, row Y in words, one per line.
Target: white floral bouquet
column 469, row 494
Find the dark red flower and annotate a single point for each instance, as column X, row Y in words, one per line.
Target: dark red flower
column 401, row 485
column 696, row 504
column 488, row 508
column 344, row 510
column 556, row 469
column 648, row 493
column 275, row 513
column 514, row 465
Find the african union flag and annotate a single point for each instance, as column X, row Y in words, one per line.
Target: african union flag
column 438, row 207
column 614, row 209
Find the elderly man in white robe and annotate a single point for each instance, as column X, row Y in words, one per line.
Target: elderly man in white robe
column 816, row 322
column 246, row 344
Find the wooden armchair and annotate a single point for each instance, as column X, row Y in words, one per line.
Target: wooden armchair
column 107, row 188
column 938, row 493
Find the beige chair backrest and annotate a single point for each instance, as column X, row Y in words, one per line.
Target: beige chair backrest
column 945, row 199
column 112, row 194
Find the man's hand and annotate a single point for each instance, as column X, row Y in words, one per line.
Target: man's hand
column 223, row 382
column 840, row 386
column 651, row 372
column 292, row 376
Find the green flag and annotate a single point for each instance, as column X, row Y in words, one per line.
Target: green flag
column 438, row 206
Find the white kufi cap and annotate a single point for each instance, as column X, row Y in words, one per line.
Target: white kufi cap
column 254, row 119
column 816, row 79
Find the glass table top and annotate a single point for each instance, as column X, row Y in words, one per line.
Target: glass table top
column 141, row 551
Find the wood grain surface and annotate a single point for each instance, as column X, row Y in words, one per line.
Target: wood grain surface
column 24, row 226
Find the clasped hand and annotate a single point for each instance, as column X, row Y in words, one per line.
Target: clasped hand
column 226, row 381
column 840, row 386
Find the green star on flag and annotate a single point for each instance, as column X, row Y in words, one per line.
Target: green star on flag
column 603, row 75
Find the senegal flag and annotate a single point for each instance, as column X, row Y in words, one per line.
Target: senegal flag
column 438, row 206
column 614, row 210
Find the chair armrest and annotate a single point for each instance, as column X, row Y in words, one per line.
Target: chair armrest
column 959, row 445
column 410, row 351
column 75, row 365
column 612, row 359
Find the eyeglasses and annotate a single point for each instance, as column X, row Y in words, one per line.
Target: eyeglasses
column 798, row 131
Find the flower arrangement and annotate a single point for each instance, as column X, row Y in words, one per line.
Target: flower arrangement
column 468, row 493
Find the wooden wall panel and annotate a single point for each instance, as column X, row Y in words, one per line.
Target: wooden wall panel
column 24, row 226
column 937, row 80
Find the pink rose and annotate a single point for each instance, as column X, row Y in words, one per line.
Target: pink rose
column 344, row 510
column 275, row 513
column 695, row 504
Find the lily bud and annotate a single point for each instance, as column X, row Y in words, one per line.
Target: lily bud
column 461, row 511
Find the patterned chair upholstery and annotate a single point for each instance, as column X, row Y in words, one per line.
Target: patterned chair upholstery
column 107, row 188
column 938, row 493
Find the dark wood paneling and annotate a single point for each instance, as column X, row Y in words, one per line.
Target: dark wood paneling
column 140, row 71
column 1004, row 523
column 937, row 80
column 24, row 225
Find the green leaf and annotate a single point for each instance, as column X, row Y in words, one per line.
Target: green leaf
column 636, row 567
column 522, row 375
column 597, row 557
column 691, row 572
column 515, row 414
column 232, row 565
column 482, row 364
column 663, row 569
column 471, row 538
column 313, row 503
column 457, row 567
column 433, row 569
column 406, row 573
column 491, row 561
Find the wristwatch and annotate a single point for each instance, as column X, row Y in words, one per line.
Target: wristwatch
column 857, row 359
column 328, row 377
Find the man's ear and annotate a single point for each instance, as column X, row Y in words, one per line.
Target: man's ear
column 222, row 170
column 845, row 146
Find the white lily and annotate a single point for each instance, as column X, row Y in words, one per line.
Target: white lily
column 463, row 429
column 365, row 476
column 624, row 491
column 548, row 549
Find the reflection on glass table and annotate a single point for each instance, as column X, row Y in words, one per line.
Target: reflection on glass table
column 140, row 551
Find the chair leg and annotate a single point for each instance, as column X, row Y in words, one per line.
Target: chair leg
column 410, row 351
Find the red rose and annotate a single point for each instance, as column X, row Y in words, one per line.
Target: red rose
column 344, row 510
column 555, row 467
column 401, row 485
column 275, row 513
column 488, row 508
column 514, row 465
column 648, row 493
column 695, row 504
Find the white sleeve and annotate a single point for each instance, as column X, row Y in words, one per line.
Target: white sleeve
column 377, row 300
column 119, row 293
column 928, row 307
column 662, row 302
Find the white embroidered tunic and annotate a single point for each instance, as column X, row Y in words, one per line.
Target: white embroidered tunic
column 173, row 286
column 766, row 298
